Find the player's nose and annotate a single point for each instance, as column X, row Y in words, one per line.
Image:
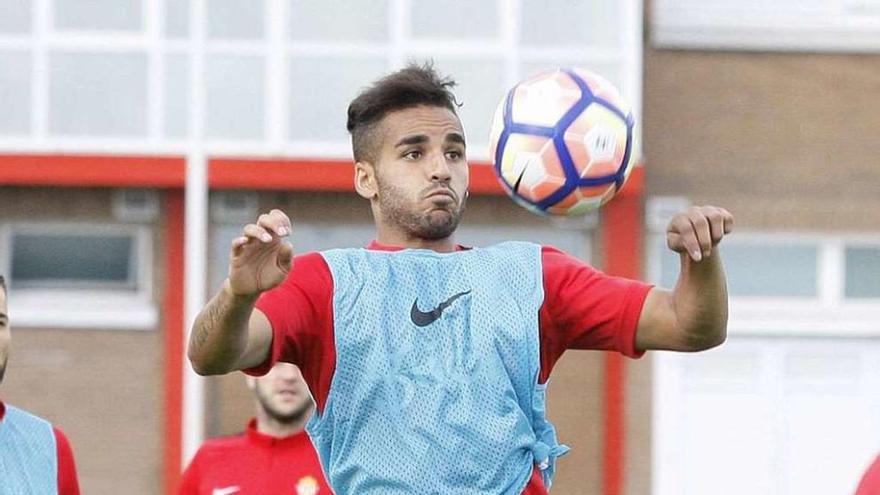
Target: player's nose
column 440, row 169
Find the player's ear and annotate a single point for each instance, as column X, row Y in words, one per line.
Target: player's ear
column 365, row 179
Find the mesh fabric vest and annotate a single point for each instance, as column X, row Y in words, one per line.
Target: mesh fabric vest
column 28, row 459
column 437, row 357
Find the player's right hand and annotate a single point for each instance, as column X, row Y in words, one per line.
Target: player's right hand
column 260, row 258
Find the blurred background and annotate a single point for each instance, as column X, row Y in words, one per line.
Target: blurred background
column 138, row 136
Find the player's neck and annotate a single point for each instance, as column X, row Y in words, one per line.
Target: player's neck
column 394, row 237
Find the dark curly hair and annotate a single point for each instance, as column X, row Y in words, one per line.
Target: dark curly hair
column 411, row 86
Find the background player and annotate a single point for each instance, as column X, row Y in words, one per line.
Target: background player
column 35, row 456
column 274, row 454
column 458, row 407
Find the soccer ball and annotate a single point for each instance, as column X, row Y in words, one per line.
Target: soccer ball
column 562, row 142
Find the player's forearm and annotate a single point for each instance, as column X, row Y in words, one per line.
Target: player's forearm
column 219, row 335
column 700, row 302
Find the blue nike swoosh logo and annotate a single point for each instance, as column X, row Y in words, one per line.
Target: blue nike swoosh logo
column 423, row 319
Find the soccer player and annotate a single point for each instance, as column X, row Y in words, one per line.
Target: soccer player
column 428, row 360
column 35, row 456
column 274, row 455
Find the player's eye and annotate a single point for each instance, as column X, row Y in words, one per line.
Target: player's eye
column 454, row 155
column 412, row 155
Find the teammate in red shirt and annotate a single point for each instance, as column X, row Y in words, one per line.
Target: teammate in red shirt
column 411, row 166
column 27, row 444
column 870, row 484
column 273, row 456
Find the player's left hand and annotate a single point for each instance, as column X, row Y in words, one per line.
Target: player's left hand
column 697, row 230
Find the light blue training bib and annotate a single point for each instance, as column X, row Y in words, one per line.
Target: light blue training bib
column 436, row 383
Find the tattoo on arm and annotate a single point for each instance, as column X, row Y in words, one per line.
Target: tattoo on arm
column 217, row 327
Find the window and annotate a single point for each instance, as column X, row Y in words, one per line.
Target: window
column 79, row 275
column 571, row 22
column 45, row 260
column 234, row 19
column 760, row 267
column 15, row 16
column 93, row 94
column 177, row 19
column 15, row 99
column 235, row 107
column 320, row 90
column 811, row 284
column 112, row 15
column 443, row 19
column 276, row 77
column 319, row 20
column 862, row 272
column 177, row 96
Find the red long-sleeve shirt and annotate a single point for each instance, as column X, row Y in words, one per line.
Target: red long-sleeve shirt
column 583, row 309
column 255, row 463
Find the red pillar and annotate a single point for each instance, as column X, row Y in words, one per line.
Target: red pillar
column 621, row 246
column 172, row 310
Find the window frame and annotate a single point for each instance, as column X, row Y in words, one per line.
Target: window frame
column 275, row 49
column 830, row 313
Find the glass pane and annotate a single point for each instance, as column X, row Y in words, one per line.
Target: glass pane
column 771, row 270
column 15, row 16
column 72, row 260
column 321, row 90
column 177, row 97
column 571, row 22
column 444, row 19
column 234, row 19
column 480, row 87
column 339, row 21
column 862, row 272
column 177, row 18
column 98, row 94
column 15, row 92
column 111, row 15
column 235, row 97
column 768, row 270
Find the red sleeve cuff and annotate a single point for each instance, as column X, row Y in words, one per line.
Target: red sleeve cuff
column 274, row 349
column 629, row 325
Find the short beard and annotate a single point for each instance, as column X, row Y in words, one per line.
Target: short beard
column 284, row 418
column 394, row 208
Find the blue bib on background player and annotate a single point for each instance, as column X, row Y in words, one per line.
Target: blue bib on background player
column 28, row 455
column 437, row 361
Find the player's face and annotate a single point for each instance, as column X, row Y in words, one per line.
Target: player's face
column 283, row 393
column 4, row 334
column 422, row 171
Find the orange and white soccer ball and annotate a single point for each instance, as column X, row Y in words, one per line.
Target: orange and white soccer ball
column 562, row 142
